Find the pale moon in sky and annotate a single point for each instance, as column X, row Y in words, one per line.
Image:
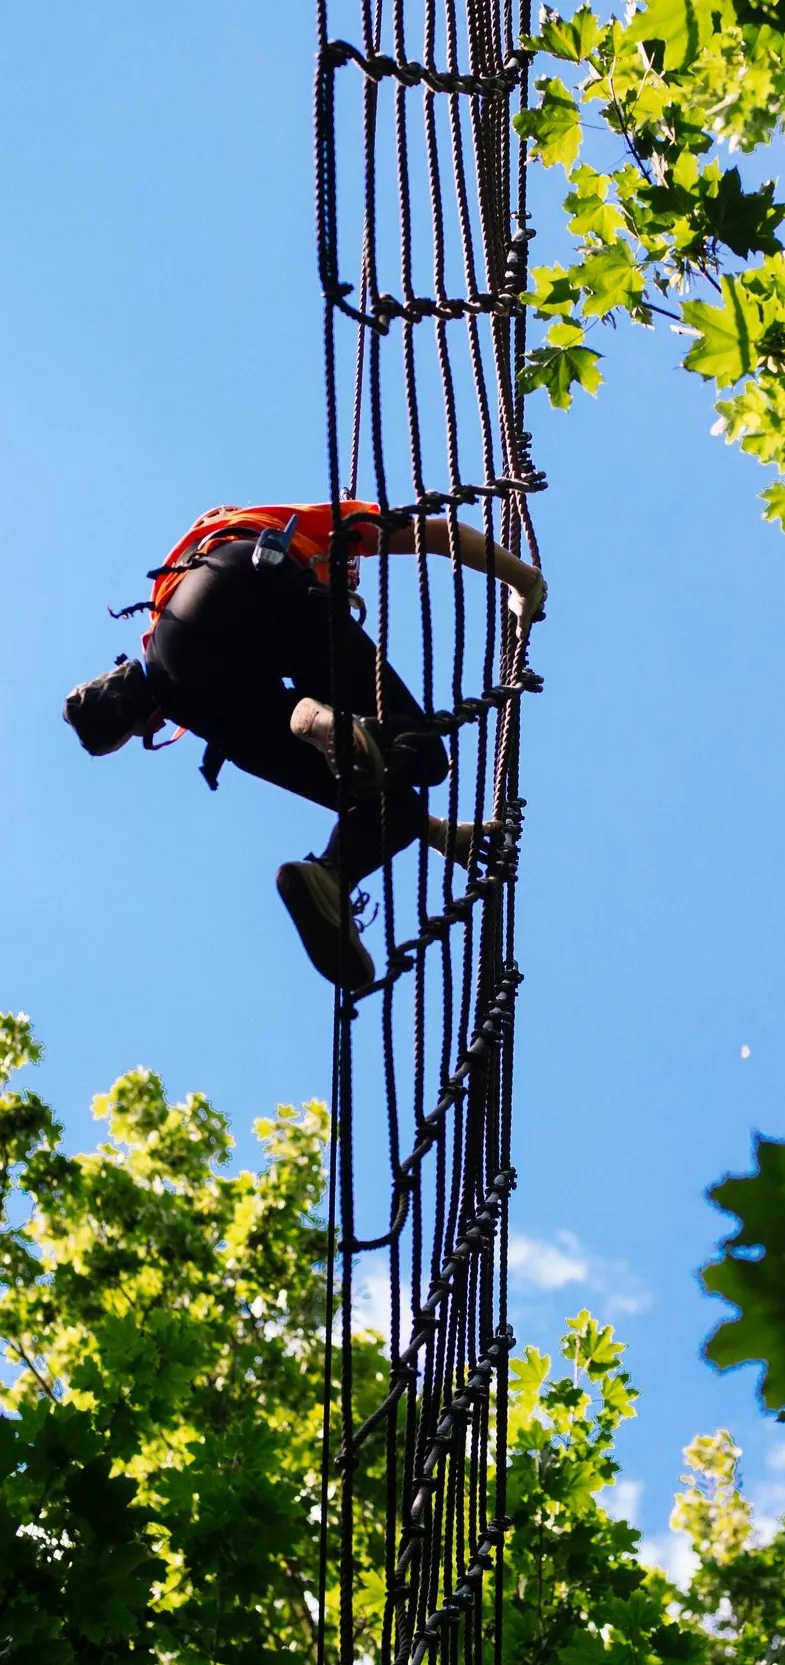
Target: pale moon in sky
column 745, row 1052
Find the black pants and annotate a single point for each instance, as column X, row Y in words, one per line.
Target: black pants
column 216, row 663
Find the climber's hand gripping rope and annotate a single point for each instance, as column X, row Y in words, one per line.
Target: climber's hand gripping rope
column 529, row 608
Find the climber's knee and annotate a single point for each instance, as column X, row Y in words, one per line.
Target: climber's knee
column 427, row 762
column 438, row 763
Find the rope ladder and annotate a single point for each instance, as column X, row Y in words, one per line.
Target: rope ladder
column 422, row 1456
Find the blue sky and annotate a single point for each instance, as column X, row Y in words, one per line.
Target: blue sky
column 162, row 352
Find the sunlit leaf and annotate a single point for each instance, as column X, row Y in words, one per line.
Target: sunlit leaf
column 555, row 125
column 570, row 38
column 559, row 369
column 684, row 26
column 727, row 347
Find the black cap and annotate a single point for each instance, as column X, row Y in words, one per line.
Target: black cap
column 107, row 711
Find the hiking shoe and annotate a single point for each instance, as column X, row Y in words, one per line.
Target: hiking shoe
column 311, row 893
column 315, row 723
column 439, row 828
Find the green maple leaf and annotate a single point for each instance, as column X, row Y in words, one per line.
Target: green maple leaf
column 755, row 1285
column 672, row 202
column 584, row 1648
column 571, row 38
column 745, row 221
column 559, row 369
column 686, row 170
column 565, row 334
column 623, row 1537
column 618, row 1397
column 774, row 499
column 586, row 204
column 683, row 25
column 555, row 125
column 591, row 1344
column 528, row 1375
column 671, row 1642
column 726, row 349
column 611, row 278
column 555, row 291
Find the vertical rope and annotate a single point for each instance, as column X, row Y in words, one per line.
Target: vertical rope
column 329, row 1319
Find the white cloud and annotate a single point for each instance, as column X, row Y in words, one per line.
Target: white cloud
column 371, row 1306
column 624, row 1293
column 631, row 1305
column 672, row 1552
column 770, row 1494
column 765, row 1527
column 622, row 1501
column 768, row 1502
column 540, row 1266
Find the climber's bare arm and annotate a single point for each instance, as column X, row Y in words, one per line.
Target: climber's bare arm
column 525, row 580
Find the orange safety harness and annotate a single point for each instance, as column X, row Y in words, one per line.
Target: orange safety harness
column 302, row 530
column 228, row 521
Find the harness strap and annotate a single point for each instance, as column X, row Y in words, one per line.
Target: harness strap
column 211, row 765
column 212, row 760
column 153, row 726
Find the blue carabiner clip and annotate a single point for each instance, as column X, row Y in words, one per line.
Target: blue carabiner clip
column 272, row 545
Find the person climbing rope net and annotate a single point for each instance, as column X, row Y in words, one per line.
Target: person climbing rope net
column 238, row 652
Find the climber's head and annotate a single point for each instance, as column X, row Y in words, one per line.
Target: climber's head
column 111, row 709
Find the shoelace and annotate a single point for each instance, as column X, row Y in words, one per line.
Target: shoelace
column 359, row 902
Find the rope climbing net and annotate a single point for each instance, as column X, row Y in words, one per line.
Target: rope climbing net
column 413, row 1485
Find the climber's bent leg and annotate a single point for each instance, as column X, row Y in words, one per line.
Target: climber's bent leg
column 425, row 764
column 314, row 722
column 366, row 843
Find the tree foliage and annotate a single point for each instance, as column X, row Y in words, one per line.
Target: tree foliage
column 751, row 1272
column 164, row 1318
column 577, row 1592
column 162, row 1412
column 736, row 1596
column 675, row 89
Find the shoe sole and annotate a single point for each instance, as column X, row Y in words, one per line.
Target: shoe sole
column 463, row 841
column 318, row 934
column 366, row 781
